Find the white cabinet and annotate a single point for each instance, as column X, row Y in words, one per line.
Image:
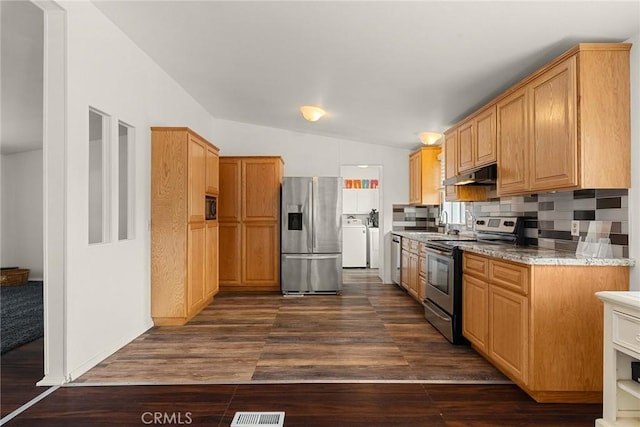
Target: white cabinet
column 359, row 201
column 621, row 397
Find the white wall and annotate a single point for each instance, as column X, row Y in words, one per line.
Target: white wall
column 634, row 191
column 22, row 237
column 108, row 285
column 310, row 155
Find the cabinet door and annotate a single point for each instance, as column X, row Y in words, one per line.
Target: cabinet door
column 413, row 275
column 367, row 200
column 414, row 178
column 509, row 332
column 431, row 177
column 230, row 255
column 197, row 177
column 554, row 143
column 475, row 312
column 260, row 189
column 230, row 188
column 450, row 166
column 513, row 143
column 465, row 146
column 485, row 133
column 196, row 241
column 349, row 201
column 405, row 276
column 261, row 254
column 212, row 171
column 211, row 267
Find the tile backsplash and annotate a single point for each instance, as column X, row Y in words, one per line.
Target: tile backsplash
column 550, row 215
column 415, row 218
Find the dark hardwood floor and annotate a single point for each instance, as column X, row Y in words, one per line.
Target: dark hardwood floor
column 371, row 332
column 20, row 369
column 308, row 405
column 388, row 321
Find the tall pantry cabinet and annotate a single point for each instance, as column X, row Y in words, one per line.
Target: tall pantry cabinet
column 184, row 244
column 249, row 218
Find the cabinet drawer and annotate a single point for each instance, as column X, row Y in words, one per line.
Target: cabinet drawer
column 626, row 331
column 475, row 265
column 510, row 276
column 414, row 246
column 405, row 243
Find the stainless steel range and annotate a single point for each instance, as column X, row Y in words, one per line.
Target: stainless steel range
column 443, row 303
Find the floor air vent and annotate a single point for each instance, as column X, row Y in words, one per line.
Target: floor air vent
column 258, row 419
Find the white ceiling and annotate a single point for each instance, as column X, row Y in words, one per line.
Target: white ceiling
column 384, row 71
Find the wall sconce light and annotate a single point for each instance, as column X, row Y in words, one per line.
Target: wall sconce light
column 429, row 138
column 312, row 113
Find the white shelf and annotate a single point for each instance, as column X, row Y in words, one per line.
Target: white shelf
column 631, row 387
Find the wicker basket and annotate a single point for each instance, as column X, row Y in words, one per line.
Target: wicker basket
column 14, row 276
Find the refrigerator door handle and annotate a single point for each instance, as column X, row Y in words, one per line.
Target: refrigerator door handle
column 312, row 256
column 309, row 216
column 314, row 200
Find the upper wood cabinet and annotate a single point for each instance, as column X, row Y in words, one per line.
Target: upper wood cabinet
column 229, row 201
column 424, row 176
column 261, row 180
column 466, row 149
column 184, row 247
column 458, row 193
column 513, row 137
column 575, row 113
column 485, row 146
column 566, row 126
column 212, row 171
column 477, row 141
column 249, row 216
column 197, row 178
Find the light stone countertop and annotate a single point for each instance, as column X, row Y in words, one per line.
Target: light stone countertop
column 531, row 255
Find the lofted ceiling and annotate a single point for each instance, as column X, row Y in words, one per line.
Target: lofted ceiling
column 384, row 70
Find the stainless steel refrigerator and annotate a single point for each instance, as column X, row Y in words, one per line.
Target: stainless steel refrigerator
column 311, row 240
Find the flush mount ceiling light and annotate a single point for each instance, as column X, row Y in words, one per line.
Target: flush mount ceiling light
column 429, row 138
column 312, row 113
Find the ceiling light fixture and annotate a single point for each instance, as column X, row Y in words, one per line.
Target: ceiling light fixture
column 429, row 138
column 312, row 113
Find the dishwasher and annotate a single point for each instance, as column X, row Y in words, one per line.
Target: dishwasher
column 395, row 258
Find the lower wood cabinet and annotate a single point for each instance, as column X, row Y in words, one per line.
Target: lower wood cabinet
column 405, row 276
column 413, row 275
column 412, row 267
column 261, row 254
column 541, row 325
column 211, row 268
column 196, row 252
column 509, row 331
column 475, row 312
column 231, row 253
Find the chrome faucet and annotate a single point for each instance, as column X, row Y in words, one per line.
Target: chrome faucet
column 446, row 221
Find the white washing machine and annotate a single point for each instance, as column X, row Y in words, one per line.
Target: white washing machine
column 354, row 243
